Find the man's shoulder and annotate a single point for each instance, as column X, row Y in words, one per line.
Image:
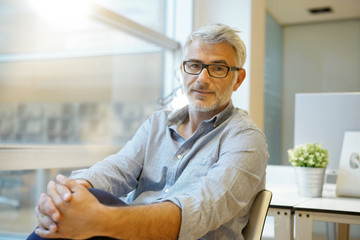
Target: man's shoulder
column 242, row 126
column 240, row 122
column 241, row 119
column 161, row 115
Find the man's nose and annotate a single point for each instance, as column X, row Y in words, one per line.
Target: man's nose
column 204, row 75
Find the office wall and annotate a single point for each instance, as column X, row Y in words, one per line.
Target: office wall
column 322, row 57
column 236, row 14
column 273, row 88
column 248, row 17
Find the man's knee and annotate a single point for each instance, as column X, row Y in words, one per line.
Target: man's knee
column 107, row 198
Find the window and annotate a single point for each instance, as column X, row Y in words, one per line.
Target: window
column 74, row 86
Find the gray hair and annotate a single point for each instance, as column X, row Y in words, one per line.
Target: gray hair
column 218, row 33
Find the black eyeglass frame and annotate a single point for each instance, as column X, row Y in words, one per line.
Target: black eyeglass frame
column 207, row 68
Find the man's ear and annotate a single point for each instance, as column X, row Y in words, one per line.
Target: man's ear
column 240, row 79
column 181, row 69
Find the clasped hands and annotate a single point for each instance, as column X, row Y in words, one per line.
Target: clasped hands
column 68, row 210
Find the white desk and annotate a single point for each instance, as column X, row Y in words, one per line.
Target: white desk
column 344, row 211
column 286, row 204
column 282, row 209
column 280, row 180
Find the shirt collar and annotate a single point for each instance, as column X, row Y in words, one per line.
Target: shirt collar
column 177, row 117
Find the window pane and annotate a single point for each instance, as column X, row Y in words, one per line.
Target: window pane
column 100, row 99
column 149, row 13
column 19, row 194
column 78, row 84
column 26, row 29
column 60, row 82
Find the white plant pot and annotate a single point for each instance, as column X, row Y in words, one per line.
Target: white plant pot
column 310, row 181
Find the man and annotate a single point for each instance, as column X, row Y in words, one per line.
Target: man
column 188, row 174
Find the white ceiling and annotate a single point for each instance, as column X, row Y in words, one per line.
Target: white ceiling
column 288, row 12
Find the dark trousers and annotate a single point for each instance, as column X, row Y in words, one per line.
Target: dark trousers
column 104, row 198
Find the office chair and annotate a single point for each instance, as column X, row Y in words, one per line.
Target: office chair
column 254, row 228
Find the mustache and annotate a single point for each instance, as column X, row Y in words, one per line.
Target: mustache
column 201, row 87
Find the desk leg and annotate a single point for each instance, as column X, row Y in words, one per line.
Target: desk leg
column 284, row 222
column 343, row 232
column 304, row 225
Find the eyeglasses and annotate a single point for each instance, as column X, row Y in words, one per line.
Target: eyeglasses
column 214, row 70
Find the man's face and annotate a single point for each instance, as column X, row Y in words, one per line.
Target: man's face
column 206, row 93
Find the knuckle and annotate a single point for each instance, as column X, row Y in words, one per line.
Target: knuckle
column 60, row 204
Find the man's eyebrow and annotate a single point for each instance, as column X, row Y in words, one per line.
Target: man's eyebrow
column 220, row 61
column 213, row 62
column 194, row 60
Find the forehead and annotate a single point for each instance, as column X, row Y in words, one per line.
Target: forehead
column 210, row 52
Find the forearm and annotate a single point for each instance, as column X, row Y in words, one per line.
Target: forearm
column 153, row 221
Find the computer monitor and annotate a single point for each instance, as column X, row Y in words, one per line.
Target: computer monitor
column 324, row 118
column 349, row 167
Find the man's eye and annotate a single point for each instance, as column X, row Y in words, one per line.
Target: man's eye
column 218, row 68
column 195, row 65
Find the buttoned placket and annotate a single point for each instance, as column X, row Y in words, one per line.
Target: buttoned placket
column 179, row 156
column 204, row 128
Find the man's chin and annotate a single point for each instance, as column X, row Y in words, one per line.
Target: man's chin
column 201, row 107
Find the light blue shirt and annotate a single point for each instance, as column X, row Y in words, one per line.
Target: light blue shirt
column 213, row 176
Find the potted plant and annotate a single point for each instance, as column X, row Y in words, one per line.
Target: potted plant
column 310, row 161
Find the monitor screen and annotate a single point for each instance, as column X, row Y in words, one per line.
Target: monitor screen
column 324, row 118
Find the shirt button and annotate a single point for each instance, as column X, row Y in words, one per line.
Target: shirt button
column 166, row 190
column 179, row 156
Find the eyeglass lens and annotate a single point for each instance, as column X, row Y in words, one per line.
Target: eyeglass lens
column 214, row 70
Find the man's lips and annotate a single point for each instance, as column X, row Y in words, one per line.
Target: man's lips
column 200, row 91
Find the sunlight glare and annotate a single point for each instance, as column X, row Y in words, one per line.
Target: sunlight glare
column 180, row 100
column 62, row 13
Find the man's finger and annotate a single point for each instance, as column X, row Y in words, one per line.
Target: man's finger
column 45, row 222
column 64, row 192
column 44, row 233
column 47, row 207
column 68, row 182
column 53, row 194
column 84, row 182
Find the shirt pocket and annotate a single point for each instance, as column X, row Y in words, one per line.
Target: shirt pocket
column 198, row 167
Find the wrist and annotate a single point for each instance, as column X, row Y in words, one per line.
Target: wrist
column 112, row 222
